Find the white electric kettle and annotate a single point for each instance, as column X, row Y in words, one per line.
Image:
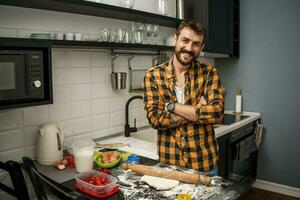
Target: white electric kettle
column 50, row 144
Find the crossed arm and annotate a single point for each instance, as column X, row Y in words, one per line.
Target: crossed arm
column 208, row 109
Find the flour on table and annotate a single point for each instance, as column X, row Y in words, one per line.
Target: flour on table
column 160, row 183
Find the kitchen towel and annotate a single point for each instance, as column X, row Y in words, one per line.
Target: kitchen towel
column 245, row 147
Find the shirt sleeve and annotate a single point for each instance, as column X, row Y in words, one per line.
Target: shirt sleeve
column 158, row 117
column 212, row 112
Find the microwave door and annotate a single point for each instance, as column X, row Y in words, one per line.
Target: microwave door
column 13, row 77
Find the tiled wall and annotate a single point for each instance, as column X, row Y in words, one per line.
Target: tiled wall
column 85, row 105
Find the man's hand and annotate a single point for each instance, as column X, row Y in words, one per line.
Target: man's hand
column 202, row 101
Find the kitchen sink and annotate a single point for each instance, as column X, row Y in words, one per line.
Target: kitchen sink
column 141, row 143
column 149, row 135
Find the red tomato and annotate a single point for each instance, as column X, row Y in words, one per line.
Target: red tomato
column 104, row 179
column 106, row 171
column 98, row 182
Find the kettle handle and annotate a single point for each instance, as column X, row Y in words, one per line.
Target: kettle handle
column 60, row 138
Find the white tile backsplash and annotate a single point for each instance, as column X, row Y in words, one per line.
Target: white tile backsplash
column 101, row 133
column 30, row 151
column 82, row 125
column 101, row 122
column 62, row 94
column 100, row 59
column 35, row 115
column 100, row 74
column 101, row 106
column 59, row 112
column 80, row 58
column 60, row 59
column 80, row 75
column 81, row 109
column 81, row 92
column 67, row 127
column 118, row 103
column 117, row 118
column 15, row 154
column 85, row 105
column 11, row 119
column 30, row 134
column 100, row 90
column 61, row 76
column 11, row 139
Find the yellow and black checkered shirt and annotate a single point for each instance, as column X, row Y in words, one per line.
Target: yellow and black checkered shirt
column 182, row 142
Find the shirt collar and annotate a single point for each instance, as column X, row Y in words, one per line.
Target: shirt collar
column 170, row 71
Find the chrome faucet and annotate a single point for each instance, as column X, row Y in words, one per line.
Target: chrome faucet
column 129, row 129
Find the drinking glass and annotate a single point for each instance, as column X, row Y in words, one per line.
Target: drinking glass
column 106, row 35
column 121, row 33
column 155, row 32
column 149, row 31
column 138, row 37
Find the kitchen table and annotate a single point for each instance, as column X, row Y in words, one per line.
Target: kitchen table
column 132, row 188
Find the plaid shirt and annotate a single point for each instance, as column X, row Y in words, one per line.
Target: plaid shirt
column 182, row 142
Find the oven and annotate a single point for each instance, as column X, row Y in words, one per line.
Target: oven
column 242, row 156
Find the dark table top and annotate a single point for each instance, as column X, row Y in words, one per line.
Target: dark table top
column 132, row 188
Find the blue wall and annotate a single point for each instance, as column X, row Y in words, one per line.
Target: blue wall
column 268, row 72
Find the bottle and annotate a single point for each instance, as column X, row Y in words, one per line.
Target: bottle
column 163, row 7
column 238, row 101
column 180, row 9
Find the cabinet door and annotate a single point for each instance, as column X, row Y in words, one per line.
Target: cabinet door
column 219, row 27
column 216, row 15
column 224, row 144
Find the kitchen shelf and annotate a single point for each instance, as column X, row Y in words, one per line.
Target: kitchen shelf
column 5, row 41
column 95, row 9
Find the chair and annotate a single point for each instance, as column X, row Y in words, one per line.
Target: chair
column 19, row 189
column 42, row 183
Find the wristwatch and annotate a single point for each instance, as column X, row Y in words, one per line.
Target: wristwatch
column 171, row 107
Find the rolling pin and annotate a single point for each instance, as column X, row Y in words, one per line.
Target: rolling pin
column 169, row 174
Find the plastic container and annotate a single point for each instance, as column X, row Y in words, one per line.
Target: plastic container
column 103, row 190
column 84, row 155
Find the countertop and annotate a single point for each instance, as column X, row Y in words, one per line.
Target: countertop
column 143, row 142
column 224, row 129
column 132, row 188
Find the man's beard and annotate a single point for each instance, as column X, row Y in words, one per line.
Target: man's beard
column 181, row 61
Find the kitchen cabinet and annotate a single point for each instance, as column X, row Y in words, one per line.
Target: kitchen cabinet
column 94, row 9
column 221, row 18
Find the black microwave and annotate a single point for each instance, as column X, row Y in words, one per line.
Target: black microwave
column 25, row 77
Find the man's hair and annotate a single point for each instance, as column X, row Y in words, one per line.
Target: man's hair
column 196, row 27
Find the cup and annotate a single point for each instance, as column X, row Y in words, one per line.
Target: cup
column 84, row 155
column 59, row 36
column 118, row 80
column 69, row 36
column 138, row 37
column 78, row 36
column 121, row 33
column 106, row 35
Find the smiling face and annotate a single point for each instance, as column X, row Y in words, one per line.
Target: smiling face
column 188, row 45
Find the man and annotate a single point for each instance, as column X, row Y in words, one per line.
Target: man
column 183, row 99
